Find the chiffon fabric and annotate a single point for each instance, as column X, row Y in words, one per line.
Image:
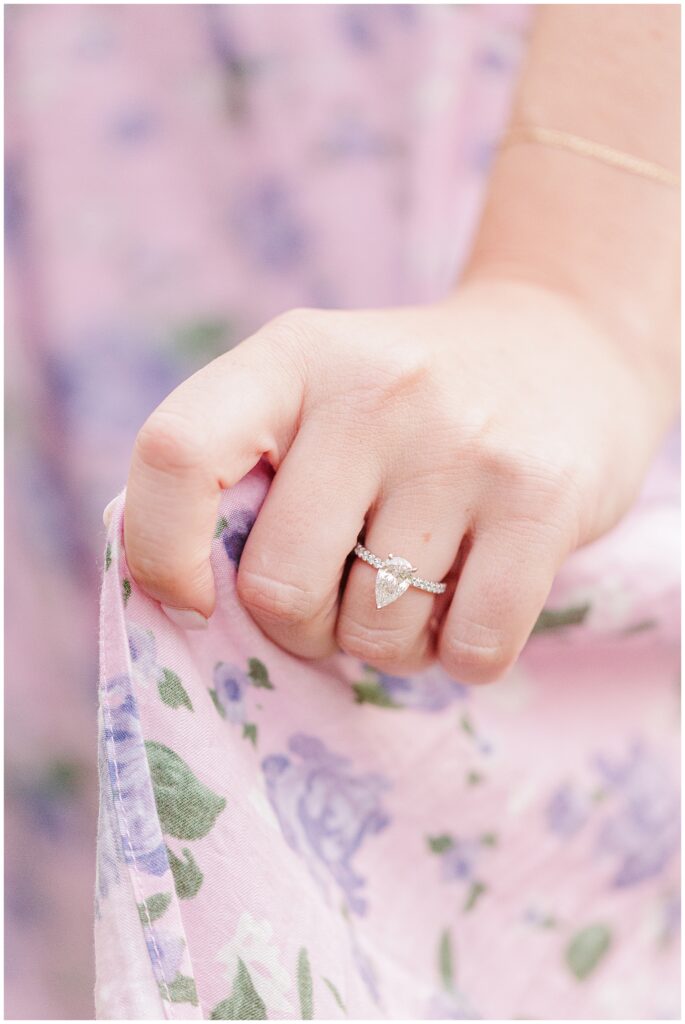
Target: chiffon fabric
column 282, row 839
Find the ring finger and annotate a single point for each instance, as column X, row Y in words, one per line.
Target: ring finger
column 399, row 637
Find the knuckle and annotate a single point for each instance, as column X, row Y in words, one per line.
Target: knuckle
column 295, row 341
column 549, row 478
column 391, row 384
column 295, row 328
column 275, row 601
column 481, row 660
column 540, row 491
column 380, row 648
column 171, row 442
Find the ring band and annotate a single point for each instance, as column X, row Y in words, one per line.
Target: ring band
column 395, row 575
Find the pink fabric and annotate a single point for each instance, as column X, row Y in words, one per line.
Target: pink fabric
column 347, row 843
column 175, row 176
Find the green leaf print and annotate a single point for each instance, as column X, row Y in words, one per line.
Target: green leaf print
column 467, row 725
column 305, row 986
column 204, row 339
column 446, row 960
column 640, row 627
column 244, row 1003
column 336, row 995
column 373, row 693
column 61, row 778
column 221, row 525
column 475, row 892
column 217, row 703
column 250, row 733
column 257, row 672
column 549, row 619
column 187, row 808
column 489, row 839
column 187, row 876
column 126, row 590
column 172, row 691
column 108, row 555
column 154, row 907
column 586, row 949
column 440, row 844
column 181, row 990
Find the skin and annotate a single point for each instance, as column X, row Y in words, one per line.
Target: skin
column 483, row 437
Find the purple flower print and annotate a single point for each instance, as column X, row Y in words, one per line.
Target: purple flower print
column 230, row 686
column 105, row 361
column 129, row 777
column 166, row 954
column 451, row 1006
column 637, row 817
column 643, row 831
column 350, row 136
column 359, row 28
column 432, row 690
column 367, row 26
column 143, row 651
column 236, row 533
column 460, row 860
column 134, row 126
column 325, row 811
column 141, row 645
column 109, row 851
column 268, row 226
column 567, row 811
column 365, row 969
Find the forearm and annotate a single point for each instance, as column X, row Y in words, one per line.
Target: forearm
column 597, row 233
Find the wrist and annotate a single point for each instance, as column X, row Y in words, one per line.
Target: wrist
column 600, row 239
column 638, row 389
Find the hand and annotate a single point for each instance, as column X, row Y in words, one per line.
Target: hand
column 485, row 436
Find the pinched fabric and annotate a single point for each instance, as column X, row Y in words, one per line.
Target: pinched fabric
column 283, row 839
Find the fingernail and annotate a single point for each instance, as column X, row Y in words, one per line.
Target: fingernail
column 107, row 513
column 186, row 618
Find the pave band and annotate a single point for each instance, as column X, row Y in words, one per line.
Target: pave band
column 395, row 576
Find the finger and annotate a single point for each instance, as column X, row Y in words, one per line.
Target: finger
column 399, row 637
column 291, row 568
column 503, row 585
column 204, row 437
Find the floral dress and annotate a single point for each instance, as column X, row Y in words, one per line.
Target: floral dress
column 280, row 839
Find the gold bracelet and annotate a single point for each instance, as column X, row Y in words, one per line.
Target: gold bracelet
column 595, row 150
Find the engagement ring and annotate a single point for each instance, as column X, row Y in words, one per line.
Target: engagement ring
column 395, row 575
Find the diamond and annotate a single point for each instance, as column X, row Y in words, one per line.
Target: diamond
column 393, row 579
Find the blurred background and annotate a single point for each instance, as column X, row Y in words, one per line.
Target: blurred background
column 175, row 176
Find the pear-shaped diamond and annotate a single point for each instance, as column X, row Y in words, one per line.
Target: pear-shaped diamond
column 392, row 580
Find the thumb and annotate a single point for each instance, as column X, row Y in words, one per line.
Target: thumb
column 204, row 437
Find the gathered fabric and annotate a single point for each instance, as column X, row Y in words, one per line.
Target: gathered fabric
column 290, row 839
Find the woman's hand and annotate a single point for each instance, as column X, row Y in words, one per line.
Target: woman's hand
column 485, row 437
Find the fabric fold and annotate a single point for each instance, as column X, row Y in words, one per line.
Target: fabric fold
column 283, row 839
